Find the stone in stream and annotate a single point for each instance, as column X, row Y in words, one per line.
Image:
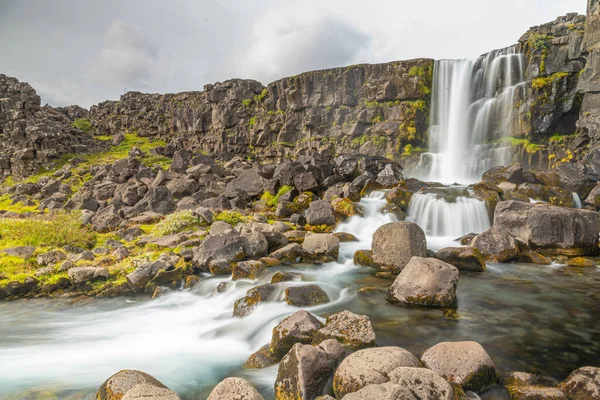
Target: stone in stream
column 394, row 244
column 235, row 388
column 352, row 330
column 142, row 275
column 320, row 212
column 258, row 294
column 463, row 258
column 306, row 370
column 425, row 281
column 364, row 258
column 305, row 296
column 464, row 363
column 370, row 366
column 248, row 270
column 382, row 391
column 120, row 384
column 288, row 254
column 300, row 327
column 423, row 383
column 583, row 383
column 320, row 248
column 262, row 358
column 496, row 245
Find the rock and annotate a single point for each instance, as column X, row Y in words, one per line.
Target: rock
column 25, row 252
column 306, row 182
column 423, row 383
column 142, row 275
column 51, row 257
column 364, row 258
column 254, row 296
column 79, row 275
column 370, row 366
column 256, row 245
column 533, row 257
column 496, row 245
column 583, row 384
column 463, row 258
column 262, row 358
column 352, row 330
column 118, row 385
column 300, row 327
column 250, row 182
column 346, row 208
column 394, row 244
column 145, row 391
column 581, row 262
column 234, row 389
column 305, row 296
column 248, row 270
column 553, row 229
column 44, row 271
column 536, row 393
column 320, row 212
column 399, row 197
column 425, row 281
column 382, row 391
column 281, row 276
column 305, row 371
column 345, row 237
column 160, row 200
column 227, row 247
column 129, row 234
column 220, row 228
column 288, row 254
column 321, row 247
column 464, row 363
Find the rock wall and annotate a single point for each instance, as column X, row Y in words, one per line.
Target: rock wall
column 32, row 136
column 363, row 109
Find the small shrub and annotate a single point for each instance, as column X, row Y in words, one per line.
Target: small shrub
column 177, row 222
column 231, row 217
column 83, row 124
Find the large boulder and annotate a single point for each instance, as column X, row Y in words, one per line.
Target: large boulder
column 300, row 327
column 394, row 244
column 234, row 389
column 80, row 275
column 119, row 385
column 583, row 383
column 305, row 296
column 382, row 391
column 496, row 245
column 352, row 330
column 249, row 182
column 228, row 247
column 423, row 383
column 553, row 229
column 320, row 212
column 425, row 281
column 321, row 247
column 107, row 219
column 306, row 370
column 139, row 278
column 464, row 363
column 370, row 366
column 463, row 258
column 150, row 392
column 254, row 296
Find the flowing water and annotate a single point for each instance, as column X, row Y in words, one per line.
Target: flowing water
column 531, row 318
column 471, row 111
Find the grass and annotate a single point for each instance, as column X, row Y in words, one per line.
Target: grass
column 83, row 124
column 530, row 148
column 558, row 138
column 6, row 204
column 177, row 222
column 271, row 200
column 231, row 217
column 539, row 83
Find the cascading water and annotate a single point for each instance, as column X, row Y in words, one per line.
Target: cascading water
column 447, row 213
column 471, row 107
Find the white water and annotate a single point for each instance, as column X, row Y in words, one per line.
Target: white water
column 576, row 201
column 472, row 105
column 187, row 339
column 445, row 214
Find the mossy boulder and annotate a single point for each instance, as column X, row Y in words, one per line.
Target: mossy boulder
column 247, row 270
column 118, row 385
column 583, row 384
column 399, row 197
column 262, row 358
column 581, row 262
column 496, row 245
column 254, row 296
column 364, row 258
column 463, row 258
column 345, row 208
column 305, row 296
column 299, row 327
column 352, row 330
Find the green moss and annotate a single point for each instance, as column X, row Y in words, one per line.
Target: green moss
column 425, row 74
column 539, row 83
column 6, row 204
column 260, row 97
column 558, row 138
column 377, row 119
column 83, row 124
column 271, row 200
column 247, row 102
column 177, row 222
column 231, row 217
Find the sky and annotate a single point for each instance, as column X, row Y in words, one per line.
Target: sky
column 87, row 51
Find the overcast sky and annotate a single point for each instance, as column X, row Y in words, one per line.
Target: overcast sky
column 83, row 51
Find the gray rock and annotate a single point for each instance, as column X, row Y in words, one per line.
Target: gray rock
column 249, row 182
column 496, row 245
column 370, row 366
column 228, row 247
column 145, row 391
column 139, row 278
column 256, row 245
column 352, row 330
column 107, row 219
column 463, row 258
column 321, row 247
column 583, row 383
column 288, row 254
column 382, row 391
column 254, row 296
column 79, row 275
column 464, row 363
column 24, row 252
column 394, row 244
column 300, row 327
column 305, row 296
column 425, row 281
column 122, row 382
column 248, row 270
column 423, row 383
column 234, row 388
column 51, row 257
column 320, row 212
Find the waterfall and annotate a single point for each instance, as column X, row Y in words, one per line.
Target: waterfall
column 576, row 201
column 471, row 109
column 448, row 213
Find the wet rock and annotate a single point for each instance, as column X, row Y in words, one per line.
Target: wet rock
column 496, row 245
column 533, row 257
column 320, row 212
column 18, row 289
column 119, row 385
column 142, row 275
column 321, row 247
column 463, row 258
column 254, row 296
column 464, row 363
column 364, row 258
column 305, row 296
column 299, row 327
column 352, row 330
column 346, row 208
column 423, row 383
column 305, row 371
column 80, row 275
column 281, row 276
column 345, row 237
column 262, row 358
column 288, row 254
column 536, row 393
column 425, row 281
column 583, row 384
column 399, row 197
column 248, row 270
column 394, row 244
column 234, row 389
column 581, row 262
column 382, row 391
column 370, row 366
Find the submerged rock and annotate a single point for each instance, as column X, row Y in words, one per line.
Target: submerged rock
column 425, row 281
column 464, row 363
column 394, row 244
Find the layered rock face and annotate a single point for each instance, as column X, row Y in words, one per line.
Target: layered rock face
column 33, row 136
column 363, row 109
